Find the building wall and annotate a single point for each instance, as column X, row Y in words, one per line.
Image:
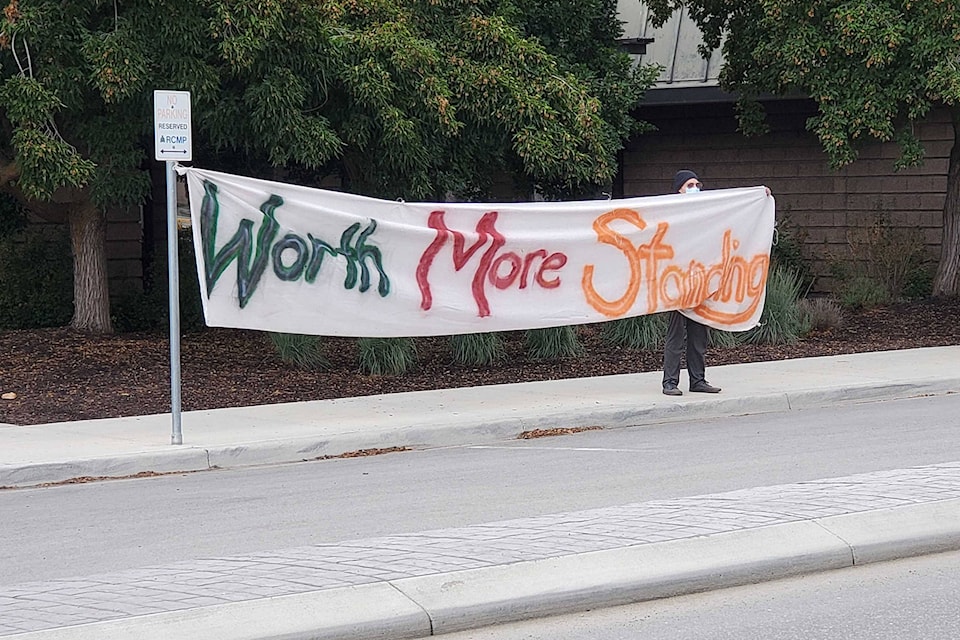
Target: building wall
column 124, row 239
column 825, row 208
column 124, row 245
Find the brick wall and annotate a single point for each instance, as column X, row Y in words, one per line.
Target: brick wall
column 826, row 207
column 124, row 249
column 124, row 246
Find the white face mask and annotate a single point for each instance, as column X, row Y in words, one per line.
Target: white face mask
column 693, row 189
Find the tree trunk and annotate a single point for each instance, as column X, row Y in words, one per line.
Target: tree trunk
column 91, row 300
column 947, row 280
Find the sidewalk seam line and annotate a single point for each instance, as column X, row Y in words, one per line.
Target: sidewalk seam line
column 417, row 604
column 789, row 403
column 853, row 555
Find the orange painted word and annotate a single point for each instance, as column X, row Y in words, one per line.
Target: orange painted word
column 669, row 286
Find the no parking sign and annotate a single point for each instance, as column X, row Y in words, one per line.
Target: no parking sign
column 173, row 133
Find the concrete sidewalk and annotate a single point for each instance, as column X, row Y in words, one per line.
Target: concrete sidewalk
column 432, row 582
column 300, row 431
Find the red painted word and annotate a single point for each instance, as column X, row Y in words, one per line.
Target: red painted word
column 501, row 270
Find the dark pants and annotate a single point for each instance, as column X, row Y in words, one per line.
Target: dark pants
column 696, row 338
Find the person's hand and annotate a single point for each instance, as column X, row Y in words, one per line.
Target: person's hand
column 768, row 191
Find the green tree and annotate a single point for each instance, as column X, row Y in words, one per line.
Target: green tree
column 401, row 98
column 76, row 112
column 584, row 34
column 874, row 68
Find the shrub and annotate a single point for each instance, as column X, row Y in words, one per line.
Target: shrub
column 477, row 349
column 919, row 283
column 305, row 352
column 863, row 292
column 139, row 310
column 553, row 343
column 781, row 321
column 36, row 278
column 13, row 217
column 640, row 332
column 387, row 356
column 788, row 253
column 723, row 339
column 820, row 314
column 130, row 310
column 891, row 257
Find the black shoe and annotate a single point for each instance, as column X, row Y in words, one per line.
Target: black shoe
column 704, row 387
column 672, row 391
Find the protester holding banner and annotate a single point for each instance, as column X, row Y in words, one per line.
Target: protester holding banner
column 697, row 335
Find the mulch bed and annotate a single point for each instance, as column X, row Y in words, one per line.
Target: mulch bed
column 56, row 375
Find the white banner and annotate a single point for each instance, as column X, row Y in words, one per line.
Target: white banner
column 290, row 259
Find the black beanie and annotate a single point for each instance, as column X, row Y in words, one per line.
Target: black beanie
column 681, row 177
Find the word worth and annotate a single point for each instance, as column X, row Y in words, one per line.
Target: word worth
column 309, row 253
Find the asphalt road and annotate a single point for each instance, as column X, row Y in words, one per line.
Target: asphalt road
column 910, row 599
column 78, row 530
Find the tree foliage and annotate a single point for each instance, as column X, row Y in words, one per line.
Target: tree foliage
column 406, row 99
column 588, row 44
column 874, row 67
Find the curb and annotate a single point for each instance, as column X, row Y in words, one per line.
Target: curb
column 364, row 611
column 466, row 431
column 430, row 605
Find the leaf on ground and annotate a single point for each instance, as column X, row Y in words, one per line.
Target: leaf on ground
column 546, row 433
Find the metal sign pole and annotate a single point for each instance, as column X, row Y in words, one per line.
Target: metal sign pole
column 173, row 279
column 173, row 138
